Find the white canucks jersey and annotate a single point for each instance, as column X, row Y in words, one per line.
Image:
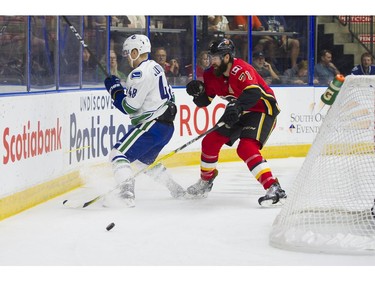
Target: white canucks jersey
column 146, row 92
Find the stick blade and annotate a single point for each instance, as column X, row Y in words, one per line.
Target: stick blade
column 88, row 203
column 68, row 204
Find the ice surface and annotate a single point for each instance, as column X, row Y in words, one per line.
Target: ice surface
column 227, row 228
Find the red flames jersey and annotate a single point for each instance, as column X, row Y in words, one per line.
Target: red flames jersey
column 241, row 76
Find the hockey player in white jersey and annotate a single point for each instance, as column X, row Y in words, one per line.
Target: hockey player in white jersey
column 149, row 101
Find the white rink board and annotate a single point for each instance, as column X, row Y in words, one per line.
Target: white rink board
column 86, row 126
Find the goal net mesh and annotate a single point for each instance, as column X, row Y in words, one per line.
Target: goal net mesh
column 329, row 204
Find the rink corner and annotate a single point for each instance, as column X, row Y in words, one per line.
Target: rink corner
column 23, row 200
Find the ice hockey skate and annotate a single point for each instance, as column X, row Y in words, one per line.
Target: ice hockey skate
column 122, row 196
column 177, row 192
column 127, row 193
column 159, row 174
column 201, row 188
column 275, row 196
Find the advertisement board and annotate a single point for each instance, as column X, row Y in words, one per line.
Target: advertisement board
column 47, row 136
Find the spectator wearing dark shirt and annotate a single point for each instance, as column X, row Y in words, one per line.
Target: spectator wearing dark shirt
column 278, row 45
column 325, row 70
column 88, row 67
column 265, row 69
column 297, row 75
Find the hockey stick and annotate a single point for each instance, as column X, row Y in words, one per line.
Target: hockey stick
column 79, row 37
column 88, row 203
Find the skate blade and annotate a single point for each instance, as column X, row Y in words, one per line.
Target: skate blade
column 195, row 196
column 178, row 194
column 267, row 203
column 130, row 203
column 179, row 197
column 271, row 202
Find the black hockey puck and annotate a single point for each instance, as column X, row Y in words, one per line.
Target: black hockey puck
column 64, row 201
column 110, row 226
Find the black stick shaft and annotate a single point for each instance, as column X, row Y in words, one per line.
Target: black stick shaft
column 214, row 128
column 79, row 37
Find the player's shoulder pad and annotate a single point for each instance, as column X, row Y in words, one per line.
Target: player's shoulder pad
column 136, row 74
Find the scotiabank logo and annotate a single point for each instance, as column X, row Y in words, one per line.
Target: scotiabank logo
column 30, row 142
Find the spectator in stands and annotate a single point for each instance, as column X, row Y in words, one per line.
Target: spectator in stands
column 88, row 67
column 265, row 69
column 325, row 70
column 171, row 69
column 115, row 21
column 41, row 55
column 297, row 75
column 240, row 41
column 98, row 21
column 218, row 23
column 137, row 21
column 280, row 45
column 12, row 49
column 240, row 23
column 114, row 66
column 217, row 27
column 366, row 67
column 202, row 64
column 256, row 24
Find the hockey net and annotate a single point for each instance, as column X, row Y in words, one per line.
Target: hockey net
column 329, row 204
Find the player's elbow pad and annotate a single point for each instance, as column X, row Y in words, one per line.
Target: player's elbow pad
column 202, row 100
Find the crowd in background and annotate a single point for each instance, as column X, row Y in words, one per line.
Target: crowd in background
column 277, row 46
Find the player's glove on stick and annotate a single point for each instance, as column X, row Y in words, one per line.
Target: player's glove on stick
column 231, row 114
column 195, row 88
column 113, row 86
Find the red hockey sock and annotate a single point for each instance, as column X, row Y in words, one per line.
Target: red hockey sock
column 248, row 151
column 211, row 145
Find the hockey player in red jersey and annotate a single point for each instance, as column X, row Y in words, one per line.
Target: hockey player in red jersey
column 249, row 116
